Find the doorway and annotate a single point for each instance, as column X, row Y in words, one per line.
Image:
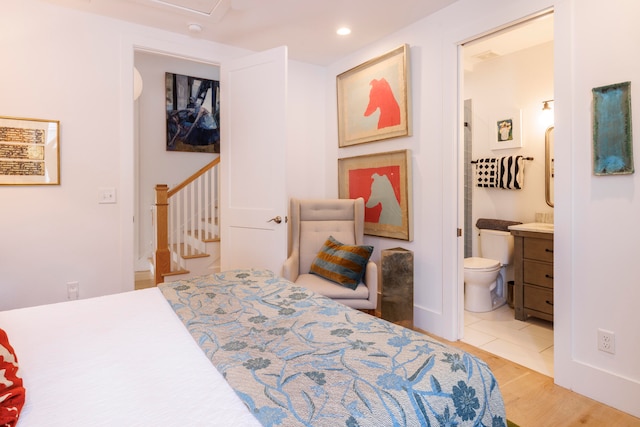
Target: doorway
column 153, row 163
column 507, row 73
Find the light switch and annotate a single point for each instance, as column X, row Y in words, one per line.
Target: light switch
column 107, row 195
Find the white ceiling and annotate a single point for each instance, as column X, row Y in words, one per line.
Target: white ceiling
column 307, row 27
column 511, row 39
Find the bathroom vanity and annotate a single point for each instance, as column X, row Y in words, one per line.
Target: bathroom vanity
column 533, row 270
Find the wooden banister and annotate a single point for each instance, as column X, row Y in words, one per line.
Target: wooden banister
column 193, row 177
column 171, row 221
column 162, row 255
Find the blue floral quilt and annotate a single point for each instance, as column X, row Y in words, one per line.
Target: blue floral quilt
column 299, row 359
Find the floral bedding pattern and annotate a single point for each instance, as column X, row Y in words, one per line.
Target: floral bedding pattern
column 298, row 358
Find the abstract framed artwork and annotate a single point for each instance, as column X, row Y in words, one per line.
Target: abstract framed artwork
column 29, row 151
column 193, row 114
column 506, row 131
column 384, row 181
column 372, row 99
column 612, row 136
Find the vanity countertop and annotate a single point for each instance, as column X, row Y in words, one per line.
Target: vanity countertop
column 540, row 227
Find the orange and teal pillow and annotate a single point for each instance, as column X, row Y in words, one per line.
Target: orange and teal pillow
column 340, row 263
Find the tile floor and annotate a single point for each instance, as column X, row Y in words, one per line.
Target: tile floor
column 527, row 343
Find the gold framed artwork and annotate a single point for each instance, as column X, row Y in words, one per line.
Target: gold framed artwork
column 372, row 99
column 384, row 181
column 29, row 151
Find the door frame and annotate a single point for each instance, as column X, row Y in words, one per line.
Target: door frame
column 198, row 51
column 457, row 325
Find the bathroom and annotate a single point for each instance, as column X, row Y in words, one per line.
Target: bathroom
column 508, row 77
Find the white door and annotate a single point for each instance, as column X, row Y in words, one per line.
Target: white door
column 253, row 231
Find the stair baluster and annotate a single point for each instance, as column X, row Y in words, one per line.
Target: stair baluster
column 186, row 219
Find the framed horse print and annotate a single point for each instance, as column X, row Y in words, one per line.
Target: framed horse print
column 384, row 182
column 372, row 99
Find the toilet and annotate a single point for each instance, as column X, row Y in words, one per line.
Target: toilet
column 485, row 276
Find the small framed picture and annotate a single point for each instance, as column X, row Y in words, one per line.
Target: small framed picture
column 506, row 131
column 29, row 151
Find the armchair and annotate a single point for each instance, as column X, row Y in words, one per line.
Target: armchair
column 312, row 222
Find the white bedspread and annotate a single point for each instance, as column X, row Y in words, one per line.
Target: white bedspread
column 118, row 360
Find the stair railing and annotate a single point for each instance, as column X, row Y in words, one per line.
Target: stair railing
column 185, row 217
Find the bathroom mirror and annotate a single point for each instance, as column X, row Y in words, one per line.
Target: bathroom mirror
column 549, row 166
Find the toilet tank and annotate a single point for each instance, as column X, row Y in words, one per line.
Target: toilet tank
column 496, row 245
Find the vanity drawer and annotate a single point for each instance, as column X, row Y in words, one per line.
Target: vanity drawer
column 538, row 273
column 540, row 249
column 538, row 299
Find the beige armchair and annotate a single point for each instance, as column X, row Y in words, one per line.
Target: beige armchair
column 312, row 222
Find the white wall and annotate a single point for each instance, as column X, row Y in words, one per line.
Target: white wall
column 426, row 147
column 595, row 217
column 306, row 171
column 519, row 81
column 76, row 68
column 61, row 64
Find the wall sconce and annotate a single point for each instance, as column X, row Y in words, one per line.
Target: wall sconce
column 546, row 118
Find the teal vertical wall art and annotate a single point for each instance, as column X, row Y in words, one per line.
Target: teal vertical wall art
column 612, row 139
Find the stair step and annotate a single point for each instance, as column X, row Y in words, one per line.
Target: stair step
column 197, row 264
column 187, row 251
column 206, row 236
column 175, row 273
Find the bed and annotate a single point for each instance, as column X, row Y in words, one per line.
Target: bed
column 242, row 347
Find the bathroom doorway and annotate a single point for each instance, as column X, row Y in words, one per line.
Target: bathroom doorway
column 508, row 74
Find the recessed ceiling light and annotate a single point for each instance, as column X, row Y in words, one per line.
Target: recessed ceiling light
column 344, row 31
column 194, row 28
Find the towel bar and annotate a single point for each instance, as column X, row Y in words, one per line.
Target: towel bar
column 524, row 158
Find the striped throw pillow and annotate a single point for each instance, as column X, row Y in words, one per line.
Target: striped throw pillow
column 341, row 264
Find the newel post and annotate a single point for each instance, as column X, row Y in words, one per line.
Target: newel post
column 162, row 255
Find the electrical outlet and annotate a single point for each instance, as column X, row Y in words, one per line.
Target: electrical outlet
column 606, row 341
column 73, row 290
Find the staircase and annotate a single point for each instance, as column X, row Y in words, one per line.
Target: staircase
column 187, row 235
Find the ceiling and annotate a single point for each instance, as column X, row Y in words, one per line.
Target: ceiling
column 526, row 34
column 307, row 27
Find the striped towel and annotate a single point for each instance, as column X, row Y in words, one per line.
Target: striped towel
column 487, row 172
column 511, row 172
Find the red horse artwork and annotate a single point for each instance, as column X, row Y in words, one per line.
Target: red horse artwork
column 380, row 188
column 381, row 98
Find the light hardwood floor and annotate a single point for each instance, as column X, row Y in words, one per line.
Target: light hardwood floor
column 531, row 399
column 144, row 279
